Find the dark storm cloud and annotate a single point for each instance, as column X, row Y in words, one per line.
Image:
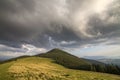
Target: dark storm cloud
column 63, row 23
column 106, row 29
column 16, row 6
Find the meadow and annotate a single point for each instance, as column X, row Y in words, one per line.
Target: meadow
column 37, row 68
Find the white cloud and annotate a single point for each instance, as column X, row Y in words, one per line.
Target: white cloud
column 26, row 49
column 30, row 49
column 82, row 14
column 67, row 42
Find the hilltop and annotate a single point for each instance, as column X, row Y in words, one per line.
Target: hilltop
column 66, row 59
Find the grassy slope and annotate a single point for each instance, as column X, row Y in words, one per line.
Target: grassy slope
column 36, row 68
column 4, row 71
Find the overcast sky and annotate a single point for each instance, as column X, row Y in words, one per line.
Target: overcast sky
column 81, row 27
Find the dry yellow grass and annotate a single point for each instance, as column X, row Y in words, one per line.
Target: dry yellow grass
column 34, row 71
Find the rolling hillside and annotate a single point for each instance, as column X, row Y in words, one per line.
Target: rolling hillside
column 37, row 68
column 73, row 62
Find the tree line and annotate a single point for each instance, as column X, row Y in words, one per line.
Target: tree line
column 108, row 68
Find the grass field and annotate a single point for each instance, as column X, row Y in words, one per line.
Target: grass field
column 36, row 68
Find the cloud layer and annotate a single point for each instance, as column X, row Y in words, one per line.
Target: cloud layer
column 59, row 23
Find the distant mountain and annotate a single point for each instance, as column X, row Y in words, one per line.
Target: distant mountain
column 110, row 61
column 3, row 58
column 103, row 59
column 94, row 57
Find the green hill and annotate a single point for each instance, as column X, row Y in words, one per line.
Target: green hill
column 68, row 60
column 37, row 68
column 73, row 62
